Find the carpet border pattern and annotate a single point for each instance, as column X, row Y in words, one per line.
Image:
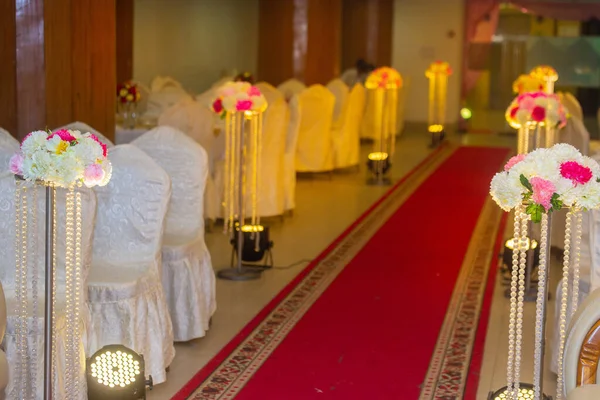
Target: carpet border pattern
column 449, row 366
column 227, row 380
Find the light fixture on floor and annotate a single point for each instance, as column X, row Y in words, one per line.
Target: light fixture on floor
column 525, row 393
column 256, row 246
column 379, row 163
column 117, row 373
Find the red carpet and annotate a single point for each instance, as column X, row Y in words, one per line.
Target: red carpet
column 391, row 325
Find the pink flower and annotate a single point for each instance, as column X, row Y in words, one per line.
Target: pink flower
column 577, row 173
column 243, row 105
column 253, row 91
column 93, row 175
column 527, row 103
column 513, row 112
column 218, row 106
column 538, row 114
column 63, row 134
column 16, row 164
column 228, row 91
column 514, row 160
column 95, row 139
column 543, row 191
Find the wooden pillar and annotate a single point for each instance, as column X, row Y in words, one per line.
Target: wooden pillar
column 367, row 32
column 124, row 19
column 299, row 39
column 58, row 64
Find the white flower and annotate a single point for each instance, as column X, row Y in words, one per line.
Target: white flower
column 34, row 141
column 541, row 101
column 88, row 150
column 590, row 200
column 505, row 192
column 229, row 103
column 562, row 152
column 522, row 116
column 56, row 145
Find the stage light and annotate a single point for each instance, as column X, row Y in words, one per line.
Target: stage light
column 117, row 373
column 436, row 128
column 379, row 163
column 256, row 245
column 466, row 113
column 525, row 393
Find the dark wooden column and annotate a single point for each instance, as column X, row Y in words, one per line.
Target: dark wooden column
column 58, row 64
column 124, row 18
column 299, row 39
column 367, row 32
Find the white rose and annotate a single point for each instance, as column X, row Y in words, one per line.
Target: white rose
column 505, row 192
column 35, row 141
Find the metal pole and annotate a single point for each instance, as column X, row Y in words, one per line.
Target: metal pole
column 241, row 193
column 545, row 289
column 49, row 289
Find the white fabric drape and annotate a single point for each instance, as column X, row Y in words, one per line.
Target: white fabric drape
column 126, row 297
column 7, row 276
column 346, row 137
column 83, row 128
column 340, row 91
column 291, row 87
column 164, row 93
column 314, row 152
column 8, row 146
column 187, row 273
column 4, row 368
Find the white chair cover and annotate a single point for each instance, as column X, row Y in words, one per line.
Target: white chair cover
column 7, row 276
column 341, row 91
column 587, row 392
column 291, row 87
column 314, row 152
column 584, row 319
column 3, row 360
column 576, row 135
column 402, row 96
column 83, row 128
column 289, row 159
column 187, row 274
column 8, row 146
column 164, row 93
column 350, row 77
column 572, row 105
column 271, row 199
column 222, row 81
column 126, row 297
column 346, row 138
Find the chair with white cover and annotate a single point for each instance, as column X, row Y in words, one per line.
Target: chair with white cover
column 291, row 87
column 164, row 93
column 402, row 96
column 314, row 151
column 3, row 360
column 222, row 81
column 8, row 146
column 575, row 132
column 341, row 92
column 126, row 297
column 581, row 354
column 83, row 128
column 289, row 158
column 346, row 137
column 35, row 324
column 572, row 105
column 188, row 277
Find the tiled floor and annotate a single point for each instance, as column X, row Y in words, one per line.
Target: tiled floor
column 325, row 207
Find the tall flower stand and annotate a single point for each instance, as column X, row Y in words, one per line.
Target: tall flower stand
column 242, row 107
column 384, row 83
column 535, row 187
column 437, row 73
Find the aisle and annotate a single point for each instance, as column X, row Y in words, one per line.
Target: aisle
column 372, row 332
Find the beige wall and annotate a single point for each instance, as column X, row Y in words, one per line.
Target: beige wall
column 194, row 40
column 421, row 29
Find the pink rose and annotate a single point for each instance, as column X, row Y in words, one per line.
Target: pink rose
column 543, row 191
column 527, row 103
column 16, row 164
column 93, row 175
column 538, row 114
column 243, row 105
column 63, row 134
column 513, row 161
column 95, row 139
column 253, row 91
column 513, row 112
column 577, row 173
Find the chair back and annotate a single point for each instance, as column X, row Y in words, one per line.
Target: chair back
column 314, row 146
column 573, row 105
column 83, row 128
column 340, row 91
column 8, row 146
column 291, row 87
column 186, row 163
column 131, row 209
column 165, row 92
column 347, row 137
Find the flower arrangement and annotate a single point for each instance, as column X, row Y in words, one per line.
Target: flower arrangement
column 536, row 108
column 528, row 83
column 438, row 68
column 546, row 180
column 238, row 97
column 63, row 158
column 384, row 78
column 128, row 92
column 544, row 73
